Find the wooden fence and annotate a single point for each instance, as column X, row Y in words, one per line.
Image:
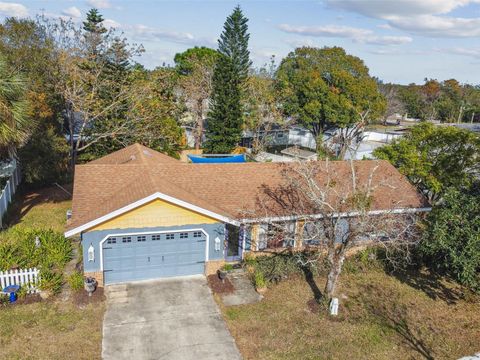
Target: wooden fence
column 8, row 191
column 25, row 278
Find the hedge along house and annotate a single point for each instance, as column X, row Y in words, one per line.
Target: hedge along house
column 143, row 215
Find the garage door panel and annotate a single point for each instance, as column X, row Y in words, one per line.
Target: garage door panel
column 154, row 256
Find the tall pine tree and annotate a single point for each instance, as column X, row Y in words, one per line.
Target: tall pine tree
column 224, row 123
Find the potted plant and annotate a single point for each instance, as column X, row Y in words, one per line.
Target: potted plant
column 90, row 285
column 260, row 283
column 223, row 272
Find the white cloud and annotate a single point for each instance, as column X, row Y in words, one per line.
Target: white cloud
column 437, row 26
column 140, row 32
column 336, row 31
column 386, row 8
column 471, row 52
column 423, row 17
column 326, row 30
column 13, row 9
column 72, row 12
column 109, row 23
column 387, row 40
column 100, row 4
column 295, row 43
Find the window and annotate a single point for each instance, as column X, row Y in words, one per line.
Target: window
column 126, row 239
column 197, row 234
column 141, row 238
column 313, row 233
column 289, row 234
column 262, row 237
column 170, row 236
column 276, row 235
column 183, row 235
column 111, row 240
column 155, row 237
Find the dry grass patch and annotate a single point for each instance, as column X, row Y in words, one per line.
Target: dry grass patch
column 381, row 317
column 51, row 330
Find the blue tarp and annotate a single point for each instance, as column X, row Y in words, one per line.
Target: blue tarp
column 217, row 160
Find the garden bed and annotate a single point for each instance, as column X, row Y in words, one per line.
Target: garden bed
column 219, row 287
column 81, row 298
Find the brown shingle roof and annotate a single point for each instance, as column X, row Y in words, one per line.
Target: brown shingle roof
column 135, row 154
column 108, row 184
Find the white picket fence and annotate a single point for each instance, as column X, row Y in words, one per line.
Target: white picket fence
column 25, row 278
column 12, row 170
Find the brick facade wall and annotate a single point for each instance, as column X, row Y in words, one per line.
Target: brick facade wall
column 211, row 267
column 98, row 275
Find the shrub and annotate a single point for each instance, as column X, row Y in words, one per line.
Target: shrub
column 281, row 265
column 259, row 280
column 367, row 259
column 451, row 243
column 228, row 267
column 75, row 280
column 51, row 281
column 18, row 249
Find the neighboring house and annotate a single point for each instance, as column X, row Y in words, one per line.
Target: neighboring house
column 295, row 152
column 190, row 135
column 279, row 136
column 144, row 215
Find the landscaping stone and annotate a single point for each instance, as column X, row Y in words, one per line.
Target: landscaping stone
column 244, row 292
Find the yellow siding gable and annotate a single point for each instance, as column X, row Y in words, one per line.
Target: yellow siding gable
column 153, row 214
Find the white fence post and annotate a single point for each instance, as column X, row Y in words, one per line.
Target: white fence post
column 23, row 277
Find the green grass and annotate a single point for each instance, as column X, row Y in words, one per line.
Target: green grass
column 381, row 317
column 45, row 209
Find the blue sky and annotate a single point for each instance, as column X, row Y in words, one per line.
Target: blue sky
column 401, row 41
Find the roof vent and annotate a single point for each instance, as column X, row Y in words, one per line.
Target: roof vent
column 146, row 152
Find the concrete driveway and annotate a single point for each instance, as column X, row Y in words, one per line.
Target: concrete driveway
column 165, row 319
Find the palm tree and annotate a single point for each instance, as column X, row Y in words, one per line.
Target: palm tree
column 14, row 111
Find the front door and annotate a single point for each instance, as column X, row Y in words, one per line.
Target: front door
column 233, row 236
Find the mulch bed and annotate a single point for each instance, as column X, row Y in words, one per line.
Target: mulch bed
column 219, row 287
column 81, row 298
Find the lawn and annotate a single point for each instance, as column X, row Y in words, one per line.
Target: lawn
column 44, row 208
column 51, row 330
column 381, row 317
column 61, row 327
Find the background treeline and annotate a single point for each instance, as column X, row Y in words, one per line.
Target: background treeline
column 445, row 101
column 72, row 92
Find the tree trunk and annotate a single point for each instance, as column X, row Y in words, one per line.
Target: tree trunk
column 333, row 275
column 199, row 127
column 71, row 130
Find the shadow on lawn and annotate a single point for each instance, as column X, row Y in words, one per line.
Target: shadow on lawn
column 389, row 312
column 25, row 200
column 431, row 284
column 395, row 317
column 309, row 278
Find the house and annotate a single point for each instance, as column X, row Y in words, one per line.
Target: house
column 143, row 215
column 280, row 136
column 300, row 154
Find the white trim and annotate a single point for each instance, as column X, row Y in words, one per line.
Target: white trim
column 100, row 244
column 144, row 201
column 343, row 214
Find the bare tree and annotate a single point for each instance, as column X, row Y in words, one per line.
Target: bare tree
column 335, row 211
column 394, row 102
column 82, row 83
column 262, row 111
